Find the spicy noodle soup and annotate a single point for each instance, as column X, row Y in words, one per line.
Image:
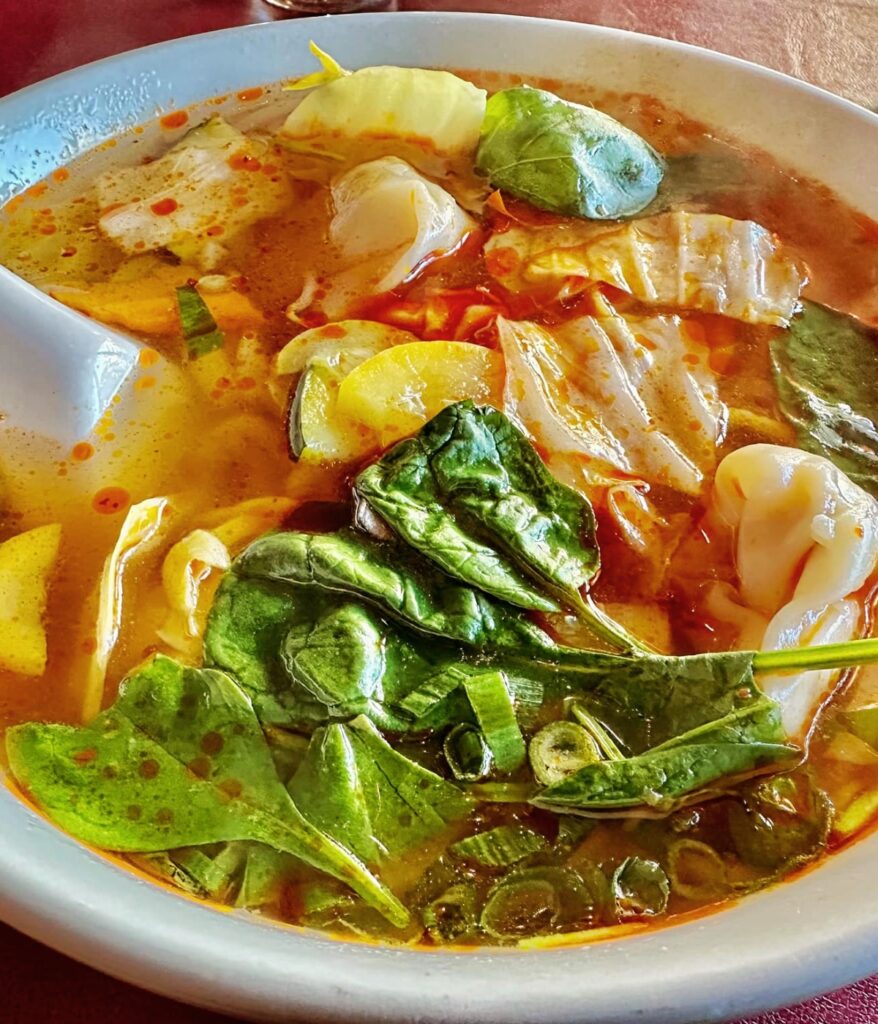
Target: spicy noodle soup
column 483, row 549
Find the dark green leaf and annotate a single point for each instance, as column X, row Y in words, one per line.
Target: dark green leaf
column 648, row 701
column 199, row 327
column 564, row 157
column 354, row 662
column 245, row 629
column 354, row 786
column 640, row 888
column 470, row 492
column 400, row 584
column 178, row 760
column 472, row 495
column 661, row 777
column 826, row 371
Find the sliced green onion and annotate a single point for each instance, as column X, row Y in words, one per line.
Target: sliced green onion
column 263, row 877
column 162, row 865
column 640, row 888
column 453, row 915
column 467, row 753
column 322, row 902
column 537, row 900
column 605, row 742
column 523, row 907
column 696, row 871
column 433, row 690
column 215, row 875
column 559, row 750
column 495, row 713
column 199, row 327
column 572, row 830
column 499, row 847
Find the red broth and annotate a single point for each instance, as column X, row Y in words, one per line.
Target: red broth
column 211, row 434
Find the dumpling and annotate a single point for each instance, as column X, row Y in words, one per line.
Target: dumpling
column 700, row 261
column 388, row 219
column 633, row 397
column 806, row 540
column 203, row 191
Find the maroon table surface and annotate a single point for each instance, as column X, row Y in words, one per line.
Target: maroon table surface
column 829, row 42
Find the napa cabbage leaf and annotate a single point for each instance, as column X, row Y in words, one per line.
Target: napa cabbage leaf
column 681, row 260
column 439, row 114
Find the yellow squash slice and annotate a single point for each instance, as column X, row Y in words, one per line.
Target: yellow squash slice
column 396, row 391
column 26, row 562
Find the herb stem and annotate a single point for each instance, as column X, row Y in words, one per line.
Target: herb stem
column 610, row 631
column 846, row 655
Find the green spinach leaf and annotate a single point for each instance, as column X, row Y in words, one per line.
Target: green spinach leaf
column 355, row 662
column 178, row 760
column 826, row 372
column 747, row 737
column 398, row 582
column 245, row 629
column 355, row 787
column 500, row 846
column 564, row 157
column 470, row 492
column 648, row 701
column 660, row 778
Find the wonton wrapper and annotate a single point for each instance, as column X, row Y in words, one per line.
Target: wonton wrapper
column 388, row 220
column 619, row 394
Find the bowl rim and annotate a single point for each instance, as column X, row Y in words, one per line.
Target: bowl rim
column 786, row 943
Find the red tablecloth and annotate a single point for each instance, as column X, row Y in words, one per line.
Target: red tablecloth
column 829, row 42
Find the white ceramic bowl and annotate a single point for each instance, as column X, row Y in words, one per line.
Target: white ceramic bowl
column 776, row 947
